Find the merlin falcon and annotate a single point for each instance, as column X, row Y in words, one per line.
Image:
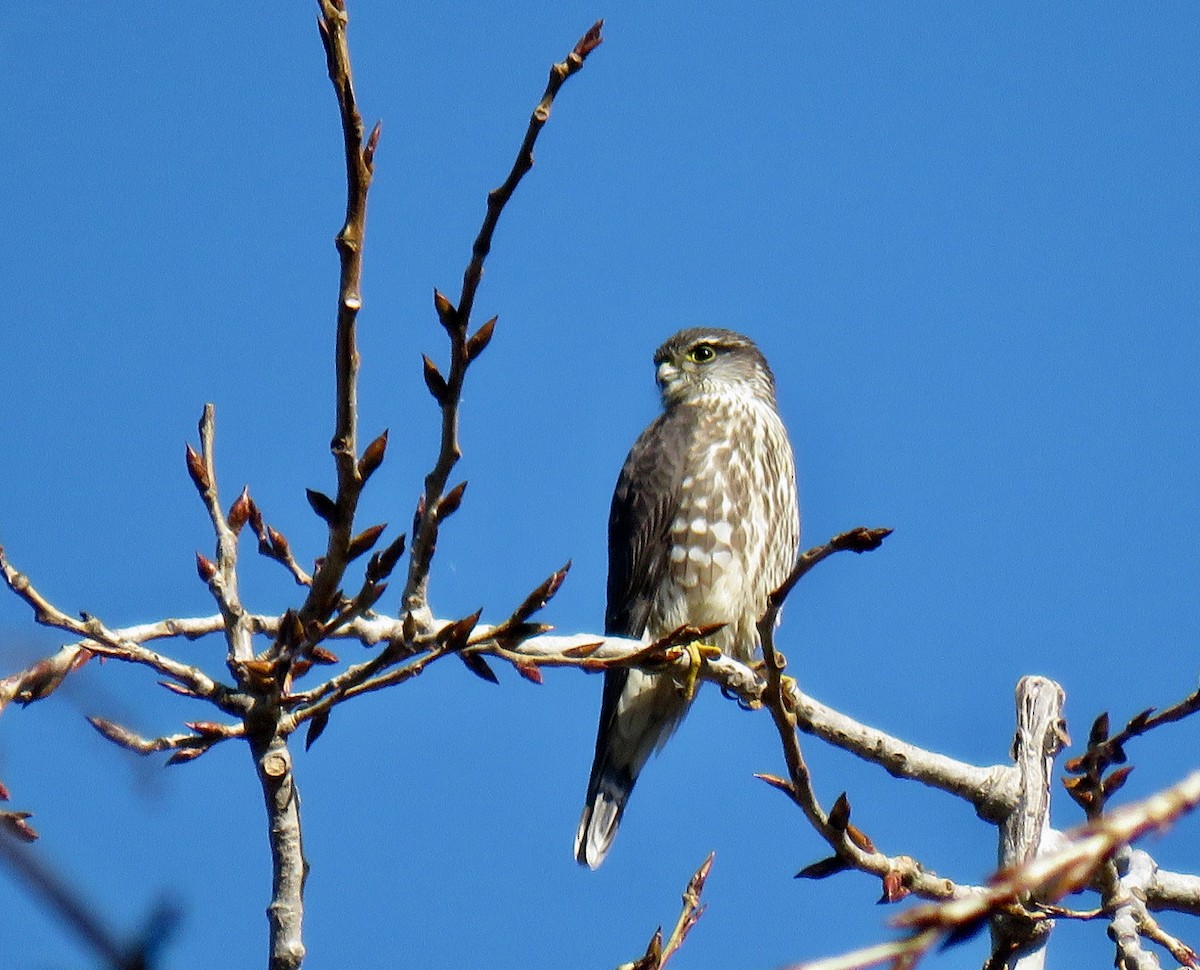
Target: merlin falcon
column 705, row 525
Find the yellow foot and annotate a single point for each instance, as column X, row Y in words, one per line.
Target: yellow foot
column 697, row 654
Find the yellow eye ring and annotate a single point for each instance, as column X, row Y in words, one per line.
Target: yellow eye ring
column 702, row 354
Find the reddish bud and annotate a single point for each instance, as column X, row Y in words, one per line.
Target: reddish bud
column 530, row 672
column 453, row 636
column 196, row 470
column 451, row 501
column 15, row 824
column 839, row 815
column 383, row 562
column 590, row 41
column 372, row 457
column 372, row 144
column 583, row 650
column 319, row 655
column 178, row 689
column 206, row 568
column 859, row 838
column 256, row 520
column 1116, row 781
column 363, row 542
column 435, row 382
column 279, row 545
column 479, row 340
column 894, row 889
column 479, row 667
column 239, row 512
column 823, row 868
column 445, row 310
column 322, row 504
column 542, row 595
column 316, row 727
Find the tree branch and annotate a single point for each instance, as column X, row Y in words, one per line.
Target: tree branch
column 339, row 513
column 657, row 955
column 1052, row 875
column 101, row 640
column 993, row 790
column 436, row 504
column 73, row 912
column 221, row 576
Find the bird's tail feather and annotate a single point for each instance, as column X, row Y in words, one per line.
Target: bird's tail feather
column 644, row 715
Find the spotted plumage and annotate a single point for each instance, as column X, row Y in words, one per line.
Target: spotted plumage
column 704, row 526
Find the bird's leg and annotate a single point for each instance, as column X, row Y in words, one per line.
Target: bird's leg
column 788, row 687
column 697, row 653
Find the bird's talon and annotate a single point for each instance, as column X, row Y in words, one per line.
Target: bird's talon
column 695, row 652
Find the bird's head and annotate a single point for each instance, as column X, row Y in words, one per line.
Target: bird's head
column 702, row 361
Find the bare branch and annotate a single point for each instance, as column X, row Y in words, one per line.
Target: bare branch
column 436, row 504
column 187, row 747
column 288, row 865
column 1019, row 937
column 857, row 540
column 992, row 790
column 1175, row 891
column 323, row 597
column 1124, row 883
column 101, row 640
column 899, row 954
column 900, row 875
column 42, row 678
column 65, row 901
column 1052, row 875
column 1069, row 867
column 657, row 955
column 221, row 576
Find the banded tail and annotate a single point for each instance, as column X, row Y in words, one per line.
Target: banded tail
column 639, row 713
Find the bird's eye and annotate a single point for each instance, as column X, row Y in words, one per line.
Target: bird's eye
column 702, row 353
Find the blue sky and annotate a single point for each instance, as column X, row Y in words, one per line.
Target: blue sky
column 967, row 239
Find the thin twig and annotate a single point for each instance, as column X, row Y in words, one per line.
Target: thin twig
column 67, row 903
column 221, row 576
column 187, row 747
column 101, row 640
column 436, row 504
column 657, row 954
column 1052, row 875
column 1047, row 877
column 901, row 875
column 352, row 473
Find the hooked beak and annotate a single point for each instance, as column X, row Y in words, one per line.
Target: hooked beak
column 666, row 373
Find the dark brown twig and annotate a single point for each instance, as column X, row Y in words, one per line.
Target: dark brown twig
column 657, row 953
column 901, row 875
column 436, row 504
column 66, row 902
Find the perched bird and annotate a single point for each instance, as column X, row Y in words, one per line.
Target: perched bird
column 705, row 525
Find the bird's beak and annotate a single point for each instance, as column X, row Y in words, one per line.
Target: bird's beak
column 666, row 373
